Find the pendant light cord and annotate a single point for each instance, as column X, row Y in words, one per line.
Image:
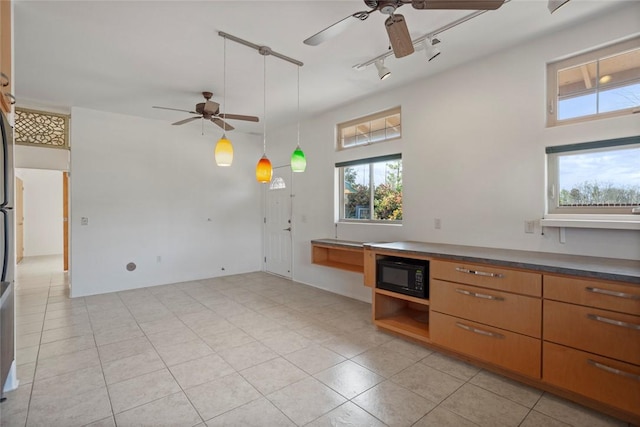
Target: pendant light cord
column 264, row 133
column 298, row 106
column 224, row 87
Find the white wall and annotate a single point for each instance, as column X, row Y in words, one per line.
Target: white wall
column 153, row 190
column 41, row 158
column 42, row 211
column 473, row 155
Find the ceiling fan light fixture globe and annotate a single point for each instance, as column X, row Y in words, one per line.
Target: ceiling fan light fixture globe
column 224, row 152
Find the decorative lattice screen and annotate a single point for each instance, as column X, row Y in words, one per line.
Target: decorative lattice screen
column 41, row 128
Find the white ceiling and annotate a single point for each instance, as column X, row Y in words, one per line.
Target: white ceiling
column 125, row 56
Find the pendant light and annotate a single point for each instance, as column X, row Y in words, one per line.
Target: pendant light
column 224, row 149
column 264, row 171
column 298, row 161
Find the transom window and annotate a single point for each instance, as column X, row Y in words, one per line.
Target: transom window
column 600, row 177
column 601, row 83
column 371, row 189
column 370, row 129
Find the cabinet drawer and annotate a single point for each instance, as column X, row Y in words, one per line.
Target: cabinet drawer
column 594, row 293
column 598, row 331
column 504, row 310
column 599, row 378
column 488, row 276
column 506, row 349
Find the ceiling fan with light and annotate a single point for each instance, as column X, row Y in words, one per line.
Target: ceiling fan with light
column 395, row 24
column 210, row 110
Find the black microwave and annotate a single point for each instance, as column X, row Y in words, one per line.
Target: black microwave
column 403, row 275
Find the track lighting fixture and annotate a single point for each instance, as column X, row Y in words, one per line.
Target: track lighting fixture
column 383, row 72
column 430, row 51
column 264, row 170
column 554, row 5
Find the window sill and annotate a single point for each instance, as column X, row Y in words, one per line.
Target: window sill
column 623, row 222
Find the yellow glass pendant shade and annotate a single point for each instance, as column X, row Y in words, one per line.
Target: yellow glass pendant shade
column 264, row 170
column 224, row 152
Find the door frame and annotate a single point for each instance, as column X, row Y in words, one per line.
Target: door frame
column 65, row 219
column 264, row 223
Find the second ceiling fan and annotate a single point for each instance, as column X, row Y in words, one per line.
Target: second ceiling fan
column 210, row 110
column 395, row 24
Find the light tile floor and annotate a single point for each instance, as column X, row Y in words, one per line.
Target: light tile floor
column 245, row 350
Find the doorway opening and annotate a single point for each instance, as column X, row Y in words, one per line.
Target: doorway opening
column 41, row 225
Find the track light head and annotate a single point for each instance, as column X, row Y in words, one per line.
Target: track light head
column 430, row 50
column 383, row 72
column 555, row 4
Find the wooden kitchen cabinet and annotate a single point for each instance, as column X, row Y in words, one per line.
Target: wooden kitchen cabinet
column 525, row 315
column 6, row 85
column 369, row 268
column 492, row 314
column 518, row 313
column 502, row 348
column 591, row 334
column 603, row 332
column 602, row 379
column 489, row 276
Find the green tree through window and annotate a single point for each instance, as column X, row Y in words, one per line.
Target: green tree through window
column 385, row 202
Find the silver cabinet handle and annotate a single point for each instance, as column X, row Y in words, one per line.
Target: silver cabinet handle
column 5, row 80
column 613, row 322
column 477, row 295
column 612, row 293
column 613, row 370
column 479, row 273
column 478, row 331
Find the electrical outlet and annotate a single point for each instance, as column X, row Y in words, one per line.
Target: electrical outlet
column 437, row 223
column 84, row 221
column 529, row 226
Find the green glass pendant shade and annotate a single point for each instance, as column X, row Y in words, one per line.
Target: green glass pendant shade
column 298, row 161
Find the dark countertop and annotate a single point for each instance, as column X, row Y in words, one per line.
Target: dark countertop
column 545, row 262
column 339, row 243
column 577, row 265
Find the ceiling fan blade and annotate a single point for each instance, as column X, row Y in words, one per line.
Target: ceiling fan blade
column 224, row 125
column 190, row 119
column 239, row 117
column 457, row 4
column 399, row 36
column 176, row 109
column 211, row 107
column 335, row 29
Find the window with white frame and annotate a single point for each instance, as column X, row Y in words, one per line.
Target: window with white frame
column 599, row 177
column 370, row 129
column 371, row 189
column 601, row 83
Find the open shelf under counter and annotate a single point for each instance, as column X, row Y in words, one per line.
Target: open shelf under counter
column 341, row 254
column 403, row 314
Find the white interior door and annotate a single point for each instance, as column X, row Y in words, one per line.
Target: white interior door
column 278, row 223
